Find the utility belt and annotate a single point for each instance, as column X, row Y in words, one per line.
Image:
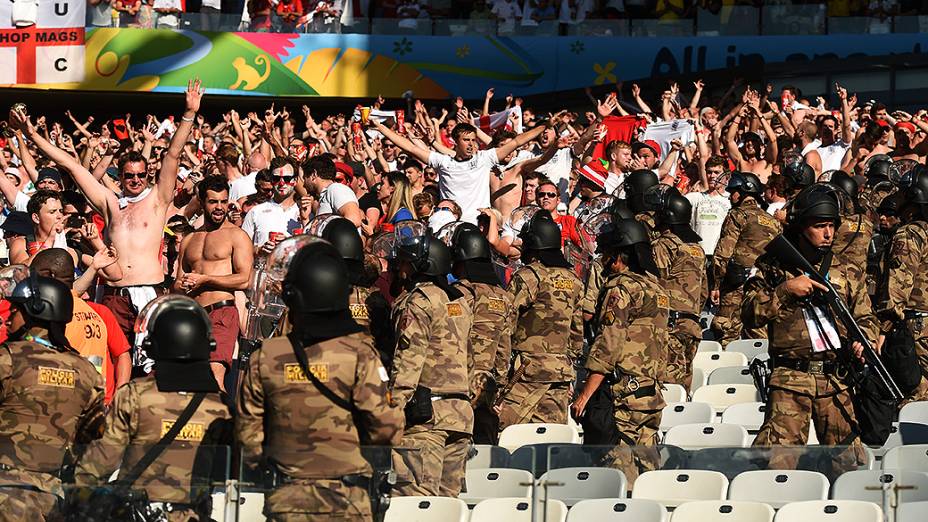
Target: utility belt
column 914, row 314
column 377, row 486
column 631, row 385
column 812, row 366
column 675, row 317
column 735, row 277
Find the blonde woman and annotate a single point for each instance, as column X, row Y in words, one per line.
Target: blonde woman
column 398, row 206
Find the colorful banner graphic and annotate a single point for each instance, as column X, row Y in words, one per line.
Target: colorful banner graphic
column 432, row 67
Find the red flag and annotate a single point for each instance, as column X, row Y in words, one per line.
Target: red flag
column 613, row 128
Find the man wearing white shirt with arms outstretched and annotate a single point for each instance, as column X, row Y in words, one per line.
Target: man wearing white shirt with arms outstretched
column 464, row 178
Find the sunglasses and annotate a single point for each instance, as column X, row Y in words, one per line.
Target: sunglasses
column 447, row 209
column 546, row 194
column 285, row 179
column 133, row 175
column 157, row 149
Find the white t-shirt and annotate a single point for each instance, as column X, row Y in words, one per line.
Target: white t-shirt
column 242, row 187
column 215, row 4
column 22, row 202
column 270, row 217
column 613, row 182
column 467, row 183
column 334, row 197
column 708, row 215
column 776, row 205
column 558, row 169
column 833, row 155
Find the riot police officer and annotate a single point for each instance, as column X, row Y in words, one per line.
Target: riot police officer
column 636, row 184
column 798, row 175
column 853, row 236
column 429, row 378
column 681, row 265
column 745, row 232
column 312, row 398
column 548, row 335
column 629, row 352
column 879, row 249
column 176, row 333
column 50, row 398
column 494, row 316
column 879, row 183
column 809, row 383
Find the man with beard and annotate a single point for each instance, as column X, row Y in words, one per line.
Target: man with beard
column 273, row 220
column 216, row 261
column 135, row 220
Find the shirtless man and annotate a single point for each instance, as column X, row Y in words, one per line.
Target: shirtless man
column 216, row 261
column 135, row 221
column 752, row 156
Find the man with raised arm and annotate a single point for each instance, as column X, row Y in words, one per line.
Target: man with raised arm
column 135, row 220
column 464, row 177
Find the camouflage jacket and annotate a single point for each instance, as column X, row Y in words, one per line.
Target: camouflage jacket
column 432, row 346
column 549, row 327
column 682, row 268
column 852, row 238
column 370, row 310
column 594, row 282
column 491, row 333
column 905, row 286
column 745, row 232
column 49, row 400
column 632, row 336
column 767, row 304
column 871, row 197
column 138, row 417
column 283, row 416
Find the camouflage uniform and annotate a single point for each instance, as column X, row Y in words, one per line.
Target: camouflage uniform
column 312, row 442
column 49, row 400
column 904, row 294
column 489, row 352
column 745, row 232
column 871, row 196
column 852, row 239
column 796, row 397
column 432, row 351
column 594, row 283
column 181, row 475
column 548, row 339
column 370, row 310
column 632, row 341
column 683, row 275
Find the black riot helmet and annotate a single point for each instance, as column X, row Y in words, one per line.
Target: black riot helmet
column 620, row 210
column 914, row 186
column 540, row 233
column 668, row 205
column 175, row 328
column 746, row 184
column 44, row 299
column 468, row 243
column 817, row 201
column 620, row 234
column 316, row 280
column 427, row 254
column 846, row 183
column 878, row 169
column 800, row 175
column 635, row 185
column 344, row 237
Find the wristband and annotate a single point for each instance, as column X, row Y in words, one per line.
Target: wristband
column 188, row 120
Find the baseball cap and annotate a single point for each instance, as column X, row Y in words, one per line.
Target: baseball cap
column 48, row 173
column 651, row 144
column 594, row 172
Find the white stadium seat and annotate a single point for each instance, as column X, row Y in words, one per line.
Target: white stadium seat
column 618, row 510
column 426, row 509
column 779, row 487
column 677, row 413
column 830, row 511
column 871, row 485
column 709, row 361
column 518, row 435
column 698, row 381
column 723, row 511
column 572, row 485
column 916, row 412
column 674, row 393
column 705, row 435
column 488, row 456
column 674, row 487
column 721, row 396
column 517, row 510
column 496, row 483
column 731, row 375
column 747, row 414
column 751, row 348
column 709, row 346
column 912, row 512
column 914, row 458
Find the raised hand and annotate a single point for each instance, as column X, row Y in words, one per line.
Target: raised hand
column 193, row 95
column 699, row 85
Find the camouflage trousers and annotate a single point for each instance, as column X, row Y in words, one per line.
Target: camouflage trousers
column 317, row 500
column 18, row 504
column 727, row 323
column 637, row 451
column 529, row 402
column 430, row 462
column 680, row 355
column 799, row 401
column 919, row 329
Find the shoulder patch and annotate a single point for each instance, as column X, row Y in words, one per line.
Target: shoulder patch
column 293, row 372
column 767, row 220
column 57, row 377
column 495, row 304
column 563, row 283
column 359, row 311
column 663, row 301
column 853, row 226
column 192, row 431
column 455, row 310
column 693, row 250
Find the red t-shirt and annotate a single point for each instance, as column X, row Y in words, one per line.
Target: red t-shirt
column 569, row 231
column 116, row 344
